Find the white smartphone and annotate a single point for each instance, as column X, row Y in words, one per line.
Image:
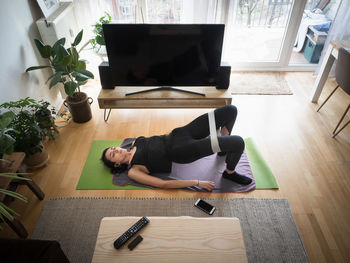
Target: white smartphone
column 206, row 207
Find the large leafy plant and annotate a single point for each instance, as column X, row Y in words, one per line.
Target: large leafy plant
column 68, row 68
column 99, row 39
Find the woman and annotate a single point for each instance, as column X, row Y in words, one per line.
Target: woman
column 183, row 145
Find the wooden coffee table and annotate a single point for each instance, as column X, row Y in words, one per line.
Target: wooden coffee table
column 173, row 239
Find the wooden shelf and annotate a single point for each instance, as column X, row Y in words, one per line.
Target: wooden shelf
column 114, row 99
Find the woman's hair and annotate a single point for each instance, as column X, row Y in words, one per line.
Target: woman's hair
column 121, row 168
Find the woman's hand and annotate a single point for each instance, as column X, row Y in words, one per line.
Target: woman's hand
column 208, row 185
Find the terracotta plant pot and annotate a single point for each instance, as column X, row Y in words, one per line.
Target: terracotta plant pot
column 37, row 160
column 79, row 106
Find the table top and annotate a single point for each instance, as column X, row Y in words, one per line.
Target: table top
column 173, row 239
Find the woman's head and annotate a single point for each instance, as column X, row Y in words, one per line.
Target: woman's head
column 115, row 158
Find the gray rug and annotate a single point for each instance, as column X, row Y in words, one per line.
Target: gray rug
column 269, row 231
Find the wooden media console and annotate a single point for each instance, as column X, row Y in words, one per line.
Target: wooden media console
column 116, row 98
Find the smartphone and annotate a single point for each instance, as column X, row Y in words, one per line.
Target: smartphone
column 206, row 207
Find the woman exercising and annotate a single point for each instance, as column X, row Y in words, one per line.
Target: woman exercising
column 183, row 145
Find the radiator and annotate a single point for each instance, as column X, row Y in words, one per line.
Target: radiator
column 62, row 23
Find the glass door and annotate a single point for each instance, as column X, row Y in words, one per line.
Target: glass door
column 260, row 33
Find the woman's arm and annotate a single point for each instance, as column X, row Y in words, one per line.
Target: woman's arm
column 142, row 177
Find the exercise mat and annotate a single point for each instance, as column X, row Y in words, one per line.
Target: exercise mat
column 96, row 176
column 263, row 175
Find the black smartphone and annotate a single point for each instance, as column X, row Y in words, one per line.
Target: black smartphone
column 206, row 207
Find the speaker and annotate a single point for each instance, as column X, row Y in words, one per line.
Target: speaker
column 223, row 80
column 105, row 76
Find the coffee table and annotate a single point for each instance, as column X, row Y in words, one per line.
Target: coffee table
column 173, row 239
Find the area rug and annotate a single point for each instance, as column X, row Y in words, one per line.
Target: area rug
column 259, row 83
column 96, row 176
column 269, row 230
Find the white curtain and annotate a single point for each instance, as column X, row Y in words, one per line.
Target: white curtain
column 340, row 29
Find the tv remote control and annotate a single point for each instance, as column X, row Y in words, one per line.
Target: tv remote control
column 130, row 232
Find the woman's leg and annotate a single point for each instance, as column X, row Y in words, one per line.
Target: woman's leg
column 193, row 150
column 199, row 127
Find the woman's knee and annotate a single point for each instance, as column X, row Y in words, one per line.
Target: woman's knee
column 230, row 111
column 233, row 143
column 240, row 144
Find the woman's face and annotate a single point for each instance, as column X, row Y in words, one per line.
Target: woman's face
column 117, row 155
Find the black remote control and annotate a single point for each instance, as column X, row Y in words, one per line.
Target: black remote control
column 130, row 232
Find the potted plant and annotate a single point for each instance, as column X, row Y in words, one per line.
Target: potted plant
column 71, row 72
column 26, row 132
column 44, row 115
column 99, row 41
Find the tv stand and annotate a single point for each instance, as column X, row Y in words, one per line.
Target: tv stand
column 165, row 88
column 116, row 98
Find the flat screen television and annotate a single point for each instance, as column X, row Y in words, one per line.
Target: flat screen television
column 164, row 54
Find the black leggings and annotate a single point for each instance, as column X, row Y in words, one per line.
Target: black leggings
column 192, row 142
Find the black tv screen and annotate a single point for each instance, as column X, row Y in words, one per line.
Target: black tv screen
column 164, row 55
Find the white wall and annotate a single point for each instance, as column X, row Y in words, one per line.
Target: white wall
column 18, row 52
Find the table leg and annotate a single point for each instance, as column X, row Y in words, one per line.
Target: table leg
column 34, row 187
column 323, row 74
column 17, row 226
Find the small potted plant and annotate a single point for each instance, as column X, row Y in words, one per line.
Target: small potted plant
column 98, row 41
column 44, row 114
column 70, row 71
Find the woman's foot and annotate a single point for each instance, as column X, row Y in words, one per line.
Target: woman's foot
column 237, row 178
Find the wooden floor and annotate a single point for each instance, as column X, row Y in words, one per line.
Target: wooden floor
column 312, row 169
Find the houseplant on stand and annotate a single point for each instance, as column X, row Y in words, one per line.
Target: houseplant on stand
column 26, row 132
column 71, row 72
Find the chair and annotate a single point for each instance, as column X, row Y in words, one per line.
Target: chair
column 342, row 76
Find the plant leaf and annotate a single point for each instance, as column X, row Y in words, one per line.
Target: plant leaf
column 80, row 65
column 13, row 212
column 100, row 40
column 69, row 87
column 6, row 118
column 78, row 38
column 5, row 213
column 13, row 194
column 39, row 45
column 86, row 73
column 56, row 78
column 62, row 52
column 46, row 51
column 67, row 60
column 13, row 176
column 36, row 67
column 75, row 55
column 7, row 142
column 79, row 76
column 55, row 47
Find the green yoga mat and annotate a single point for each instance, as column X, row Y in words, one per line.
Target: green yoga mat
column 97, row 176
column 264, row 178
